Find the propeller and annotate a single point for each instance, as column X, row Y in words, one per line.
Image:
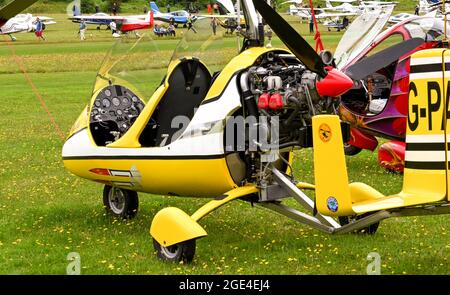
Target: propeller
column 333, row 83
column 296, row 44
column 13, row 8
column 381, row 59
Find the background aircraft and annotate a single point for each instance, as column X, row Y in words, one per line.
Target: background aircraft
column 179, row 16
column 124, row 24
column 23, row 23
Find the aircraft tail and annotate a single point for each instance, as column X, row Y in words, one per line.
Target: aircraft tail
column 149, row 18
column 333, row 196
column 328, row 4
column 154, row 7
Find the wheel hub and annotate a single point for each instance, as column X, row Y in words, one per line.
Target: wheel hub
column 116, row 200
column 171, row 251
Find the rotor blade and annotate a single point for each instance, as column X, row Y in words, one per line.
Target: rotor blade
column 299, row 47
column 382, row 59
column 13, row 8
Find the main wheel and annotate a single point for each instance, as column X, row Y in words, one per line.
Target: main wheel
column 370, row 230
column 183, row 251
column 120, row 202
column 351, row 150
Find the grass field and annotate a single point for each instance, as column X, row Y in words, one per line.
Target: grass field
column 45, row 212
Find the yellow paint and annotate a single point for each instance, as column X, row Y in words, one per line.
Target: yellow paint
column 171, row 226
column 228, row 197
column 446, row 79
column 184, row 177
column 330, row 170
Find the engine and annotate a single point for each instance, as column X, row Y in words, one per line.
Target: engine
column 281, row 89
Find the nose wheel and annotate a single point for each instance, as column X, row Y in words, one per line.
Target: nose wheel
column 120, row 203
column 183, row 251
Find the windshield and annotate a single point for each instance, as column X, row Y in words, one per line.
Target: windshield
column 214, row 50
column 141, row 64
column 138, row 64
column 360, row 34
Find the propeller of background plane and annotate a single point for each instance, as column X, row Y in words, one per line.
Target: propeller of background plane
column 13, row 8
column 333, row 83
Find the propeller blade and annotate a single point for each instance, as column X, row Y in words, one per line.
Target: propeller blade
column 371, row 64
column 296, row 44
column 13, row 8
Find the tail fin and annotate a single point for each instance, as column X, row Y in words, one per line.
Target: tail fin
column 149, row 18
column 332, row 190
column 328, row 4
column 154, row 7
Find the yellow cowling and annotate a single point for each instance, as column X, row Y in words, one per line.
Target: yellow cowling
column 171, row 226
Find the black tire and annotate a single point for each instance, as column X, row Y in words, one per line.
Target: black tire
column 370, row 230
column 183, row 251
column 351, row 150
column 120, row 203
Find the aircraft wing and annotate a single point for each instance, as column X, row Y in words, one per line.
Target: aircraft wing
column 13, row 8
column 98, row 19
column 292, row 2
column 45, row 18
column 334, row 15
column 217, row 16
column 342, row 1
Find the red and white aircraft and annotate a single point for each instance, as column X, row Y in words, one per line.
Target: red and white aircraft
column 118, row 24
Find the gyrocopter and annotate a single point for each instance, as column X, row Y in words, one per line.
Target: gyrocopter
column 244, row 123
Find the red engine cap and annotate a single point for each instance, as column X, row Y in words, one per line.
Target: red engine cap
column 276, row 101
column 334, row 84
column 263, row 101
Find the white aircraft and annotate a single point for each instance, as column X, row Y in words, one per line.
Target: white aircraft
column 427, row 6
column 23, row 23
column 399, row 17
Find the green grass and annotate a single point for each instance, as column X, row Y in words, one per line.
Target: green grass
column 45, row 212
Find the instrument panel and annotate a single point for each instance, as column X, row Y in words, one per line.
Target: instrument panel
column 113, row 112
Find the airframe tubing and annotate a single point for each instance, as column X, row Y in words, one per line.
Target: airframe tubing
column 300, row 197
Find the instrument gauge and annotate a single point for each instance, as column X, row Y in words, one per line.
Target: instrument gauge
column 106, row 103
column 108, row 92
column 116, row 101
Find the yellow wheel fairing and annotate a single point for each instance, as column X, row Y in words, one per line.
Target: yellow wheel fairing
column 171, row 226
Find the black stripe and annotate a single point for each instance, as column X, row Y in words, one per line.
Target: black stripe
column 221, row 93
column 425, row 165
column 115, row 170
column 415, row 69
column 125, row 157
column 426, row 146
